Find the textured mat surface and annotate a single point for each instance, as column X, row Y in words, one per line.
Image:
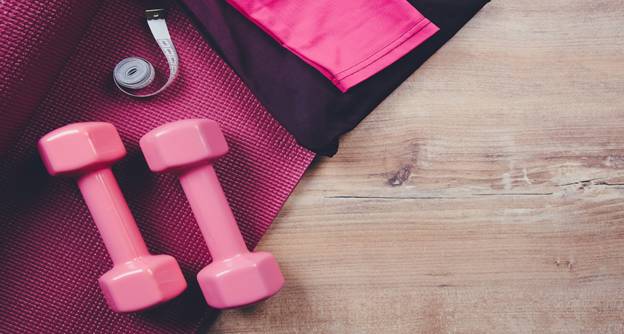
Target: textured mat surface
column 50, row 252
column 27, row 36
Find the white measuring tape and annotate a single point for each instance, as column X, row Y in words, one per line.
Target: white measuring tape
column 137, row 73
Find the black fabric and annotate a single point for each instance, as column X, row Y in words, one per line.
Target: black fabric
column 297, row 95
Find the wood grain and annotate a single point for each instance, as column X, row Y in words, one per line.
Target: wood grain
column 486, row 195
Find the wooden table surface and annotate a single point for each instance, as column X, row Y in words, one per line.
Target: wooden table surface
column 486, row 194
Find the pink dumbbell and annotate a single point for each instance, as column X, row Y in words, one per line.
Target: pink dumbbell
column 138, row 279
column 236, row 277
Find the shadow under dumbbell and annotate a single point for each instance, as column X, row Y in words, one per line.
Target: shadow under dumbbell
column 188, row 308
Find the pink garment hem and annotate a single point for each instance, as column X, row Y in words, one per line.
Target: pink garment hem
column 345, row 79
column 385, row 57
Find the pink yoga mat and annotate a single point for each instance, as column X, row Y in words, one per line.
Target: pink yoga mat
column 50, row 252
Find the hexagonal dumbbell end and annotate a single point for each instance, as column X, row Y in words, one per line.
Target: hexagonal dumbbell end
column 183, row 144
column 80, row 147
column 142, row 283
column 235, row 277
column 241, row 280
column 138, row 279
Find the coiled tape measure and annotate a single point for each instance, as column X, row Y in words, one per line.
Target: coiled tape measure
column 135, row 73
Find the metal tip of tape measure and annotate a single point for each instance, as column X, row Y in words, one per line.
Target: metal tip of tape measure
column 154, row 14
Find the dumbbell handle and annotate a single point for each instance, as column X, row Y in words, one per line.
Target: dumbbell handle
column 212, row 212
column 112, row 215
